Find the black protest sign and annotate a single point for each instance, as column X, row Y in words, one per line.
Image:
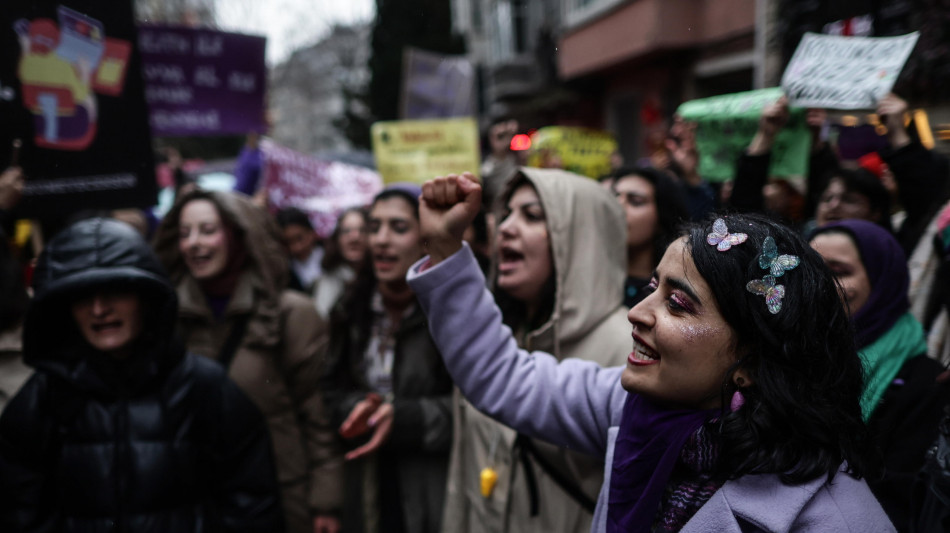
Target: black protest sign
column 71, row 92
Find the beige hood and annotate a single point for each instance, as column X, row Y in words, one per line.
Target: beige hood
column 587, row 229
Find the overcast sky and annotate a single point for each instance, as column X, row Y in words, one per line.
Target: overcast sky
column 290, row 24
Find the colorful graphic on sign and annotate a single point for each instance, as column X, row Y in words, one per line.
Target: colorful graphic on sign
column 72, row 101
column 62, row 67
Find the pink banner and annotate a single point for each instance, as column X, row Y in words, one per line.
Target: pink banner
column 321, row 188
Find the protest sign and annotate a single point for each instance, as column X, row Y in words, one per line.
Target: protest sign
column 71, row 93
column 203, row 82
column 837, row 72
column 726, row 125
column 581, row 150
column 436, row 86
column 323, row 189
column 417, row 150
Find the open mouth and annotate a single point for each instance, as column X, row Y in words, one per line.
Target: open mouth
column 642, row 354
column 106, row 326
column 200, row 260
column 384, row 262
column 508, row 259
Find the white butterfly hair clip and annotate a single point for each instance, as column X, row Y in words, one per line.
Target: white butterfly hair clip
column 773, row 293
column 776, row 264
column 722, row 239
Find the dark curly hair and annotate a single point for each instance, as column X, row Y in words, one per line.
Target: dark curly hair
column 802, row 416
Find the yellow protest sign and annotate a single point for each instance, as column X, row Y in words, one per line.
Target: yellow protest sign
column 418, row 150
column 581, row 150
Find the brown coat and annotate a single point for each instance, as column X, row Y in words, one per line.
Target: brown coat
column 277, row 361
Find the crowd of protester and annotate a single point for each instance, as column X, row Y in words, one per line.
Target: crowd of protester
column 457, row 357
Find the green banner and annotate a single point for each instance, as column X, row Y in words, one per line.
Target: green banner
column 726, row 124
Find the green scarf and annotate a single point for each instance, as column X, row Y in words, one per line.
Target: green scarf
column 884, row 358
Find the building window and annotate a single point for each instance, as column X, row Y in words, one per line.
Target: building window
column 581, row 11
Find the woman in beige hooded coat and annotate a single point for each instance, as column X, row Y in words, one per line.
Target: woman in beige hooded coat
column 560, row 263
column 224, row 256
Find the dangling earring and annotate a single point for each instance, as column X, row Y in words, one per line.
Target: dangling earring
column 738, row 400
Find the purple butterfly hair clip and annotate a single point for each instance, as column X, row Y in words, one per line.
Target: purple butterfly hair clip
column 722, row 239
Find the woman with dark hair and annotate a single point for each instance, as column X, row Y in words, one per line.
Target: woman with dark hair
column 345, row 256
column 304, row 246
column 225, row 259
column 739, row 406
column 654, row 206
column 386, row 385
column 854, row 194
column 559, row 265
column 119, row 428
column 902, row 403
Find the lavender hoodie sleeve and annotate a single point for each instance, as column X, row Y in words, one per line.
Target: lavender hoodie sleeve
column 572, row 403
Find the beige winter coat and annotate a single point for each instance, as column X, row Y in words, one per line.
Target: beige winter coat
column 588, row 234
column 277, row 362
column 13, row 371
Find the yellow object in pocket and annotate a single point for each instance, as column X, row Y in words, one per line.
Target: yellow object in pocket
column 488, row 477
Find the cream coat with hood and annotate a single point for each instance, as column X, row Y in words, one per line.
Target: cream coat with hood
column 278, row 360
column 587, row 232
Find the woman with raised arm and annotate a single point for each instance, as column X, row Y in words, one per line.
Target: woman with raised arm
column 738, row 408
column 559, row 272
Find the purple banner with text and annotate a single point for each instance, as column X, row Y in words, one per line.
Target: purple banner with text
column 202, row 82
column 321, row 188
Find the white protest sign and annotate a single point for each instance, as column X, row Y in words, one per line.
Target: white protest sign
column 838, row 72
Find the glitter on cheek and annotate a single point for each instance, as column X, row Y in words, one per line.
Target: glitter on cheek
column 693, row 333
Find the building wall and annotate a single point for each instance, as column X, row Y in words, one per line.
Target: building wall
column 641, row 27
column 306, row 91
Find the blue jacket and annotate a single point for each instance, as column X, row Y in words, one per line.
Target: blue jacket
column 577, row 404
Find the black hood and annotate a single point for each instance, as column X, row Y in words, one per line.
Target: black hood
column 93, row 254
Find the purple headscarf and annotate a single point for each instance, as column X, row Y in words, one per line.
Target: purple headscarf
column 886, row 266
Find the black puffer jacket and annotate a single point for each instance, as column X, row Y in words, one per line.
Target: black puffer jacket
column 159, row 442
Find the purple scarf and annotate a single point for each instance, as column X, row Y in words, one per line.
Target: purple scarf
column 884, row 261
column 647, row 449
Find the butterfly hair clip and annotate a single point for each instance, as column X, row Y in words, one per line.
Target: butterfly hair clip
column 773, row 293
column 722, row 239
column 776, row 264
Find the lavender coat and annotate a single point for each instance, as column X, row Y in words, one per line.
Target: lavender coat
column 577, row 404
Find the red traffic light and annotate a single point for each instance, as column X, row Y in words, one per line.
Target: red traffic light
column 520, row 142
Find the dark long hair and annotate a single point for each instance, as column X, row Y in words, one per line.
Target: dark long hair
column 670, row 201
column 333, row 256
column 354, row 306
column 802, row 416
